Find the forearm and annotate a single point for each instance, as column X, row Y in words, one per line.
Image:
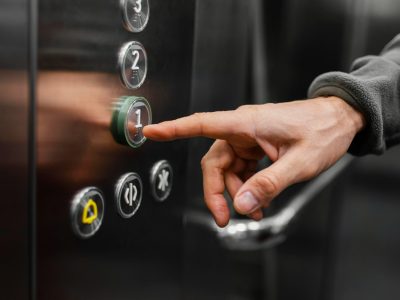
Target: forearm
column 373, row 88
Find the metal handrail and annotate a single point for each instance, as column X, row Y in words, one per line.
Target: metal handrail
column 272, row 230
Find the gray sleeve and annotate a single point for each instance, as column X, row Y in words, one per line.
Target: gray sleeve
column 372, row 87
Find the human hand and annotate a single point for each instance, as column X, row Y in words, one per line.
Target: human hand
column 301, row 138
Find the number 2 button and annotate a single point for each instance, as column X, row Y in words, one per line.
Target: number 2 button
column 133, row 65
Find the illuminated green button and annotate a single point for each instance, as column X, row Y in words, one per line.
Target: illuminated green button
column 131, row 114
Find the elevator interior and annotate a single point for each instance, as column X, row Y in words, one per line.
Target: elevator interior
column 67, row 68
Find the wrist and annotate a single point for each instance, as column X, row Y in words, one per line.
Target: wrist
column 352, row 115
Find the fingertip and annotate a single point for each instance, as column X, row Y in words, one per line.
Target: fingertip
column 154, row 132
column 221, row 222
column 245, row 203
column 221, row 216
column 257, row 215
column 148, row 130
column 220, row 211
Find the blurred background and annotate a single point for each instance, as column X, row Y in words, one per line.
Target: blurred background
column 59, row 77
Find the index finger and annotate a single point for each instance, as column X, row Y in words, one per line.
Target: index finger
column 216, row 125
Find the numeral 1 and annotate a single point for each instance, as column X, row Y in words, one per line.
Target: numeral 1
column 138, row 113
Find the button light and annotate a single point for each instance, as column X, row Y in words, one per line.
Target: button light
column 131, row 114
column 87, row 211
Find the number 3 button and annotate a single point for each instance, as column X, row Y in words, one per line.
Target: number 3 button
column 135, row 14
column 133, row 65
column 130, row 115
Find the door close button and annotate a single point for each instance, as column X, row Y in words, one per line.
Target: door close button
column 87, row 211
column 130, row 115
column 128, row 195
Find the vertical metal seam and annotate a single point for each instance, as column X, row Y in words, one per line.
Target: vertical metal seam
column 32, row 76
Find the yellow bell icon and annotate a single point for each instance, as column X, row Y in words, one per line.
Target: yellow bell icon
column 89, row 218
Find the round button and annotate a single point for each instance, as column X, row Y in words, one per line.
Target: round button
column 87, row 211
column 128, row 195
column 133, row 65
column 161, row 178
column 130, row 115
column 135, row 14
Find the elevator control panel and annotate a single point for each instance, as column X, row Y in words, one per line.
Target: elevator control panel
column 161, row 178
column 128, row 195
column 131, row 114
column 87, row 211
column 132, row 64
column 135, row 14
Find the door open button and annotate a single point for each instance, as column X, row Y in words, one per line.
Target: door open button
column 87, row 212
column 128, row 195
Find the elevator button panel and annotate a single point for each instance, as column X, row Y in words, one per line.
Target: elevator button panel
column 135, row 14
column 131, row 114
column 132, row 63
column 128, row 195
column 87, row 211
column 161, row 178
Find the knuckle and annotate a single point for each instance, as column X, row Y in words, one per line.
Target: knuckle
column 245, row 107
column 268, row 183
column 199, row 116
column 204, row 162
column 310, row 172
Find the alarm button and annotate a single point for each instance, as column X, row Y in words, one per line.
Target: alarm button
column 131, row 115
column 128, row 195
column 161, row 178
column 135, row 14
column 132, row 64
column 87, row 211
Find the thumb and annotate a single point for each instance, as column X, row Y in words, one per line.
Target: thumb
column 258, row 191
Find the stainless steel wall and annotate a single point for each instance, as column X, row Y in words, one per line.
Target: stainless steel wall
column 78, row 83
column 14, row 112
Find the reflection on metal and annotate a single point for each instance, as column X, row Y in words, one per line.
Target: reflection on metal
column 267, row 233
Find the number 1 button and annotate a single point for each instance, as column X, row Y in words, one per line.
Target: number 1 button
column 130, row 116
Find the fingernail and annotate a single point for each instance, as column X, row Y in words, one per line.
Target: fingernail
column 246, row 203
